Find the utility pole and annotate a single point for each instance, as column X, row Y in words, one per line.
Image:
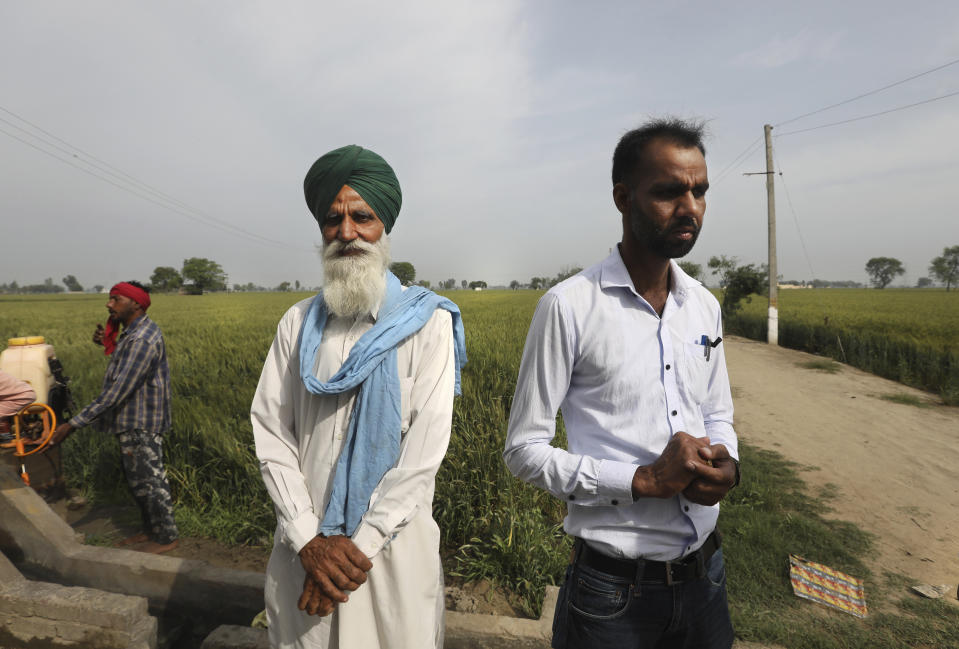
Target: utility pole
column 772, row 336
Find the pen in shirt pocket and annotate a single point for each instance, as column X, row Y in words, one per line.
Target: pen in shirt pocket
column 708, row 345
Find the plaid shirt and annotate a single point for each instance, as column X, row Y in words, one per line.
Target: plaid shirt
column 136, row 387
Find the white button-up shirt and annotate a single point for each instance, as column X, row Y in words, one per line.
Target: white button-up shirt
column 626, row 381
column 299, row 437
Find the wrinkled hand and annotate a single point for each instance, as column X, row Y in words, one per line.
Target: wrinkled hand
column 312, row 601
column 60, row 433
column 98, row 335
column 712, row 483
column 680, row 463
column 335, row 564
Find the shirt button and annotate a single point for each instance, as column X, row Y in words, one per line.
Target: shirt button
column 674, row 413
column 667, row 366
column 571, row 497
column 686, row 507
column 615, row 502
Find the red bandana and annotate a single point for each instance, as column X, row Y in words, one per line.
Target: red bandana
column 139, row 296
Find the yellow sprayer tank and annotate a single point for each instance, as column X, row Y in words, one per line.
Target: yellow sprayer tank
column 27, row 359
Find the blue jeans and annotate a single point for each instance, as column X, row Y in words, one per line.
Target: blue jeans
column 596, row 609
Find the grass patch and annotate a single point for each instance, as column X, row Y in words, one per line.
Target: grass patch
column 821, row 365
column 769, row 516
column 905, row 399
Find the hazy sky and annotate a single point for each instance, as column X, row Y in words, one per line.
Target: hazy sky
column 500, row 119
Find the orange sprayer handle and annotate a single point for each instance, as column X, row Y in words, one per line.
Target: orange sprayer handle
column 50, row 425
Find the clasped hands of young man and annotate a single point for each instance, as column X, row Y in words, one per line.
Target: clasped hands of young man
column 701, row 471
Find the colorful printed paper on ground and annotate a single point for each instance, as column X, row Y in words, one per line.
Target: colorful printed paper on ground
column 822, row 584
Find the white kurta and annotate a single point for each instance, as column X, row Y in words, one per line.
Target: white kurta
column 299, row 437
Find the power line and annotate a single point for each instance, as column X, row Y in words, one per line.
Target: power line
column 238, row 231
column 871, row 92
column 111, row 175
column 884, row 112
column 742, row 156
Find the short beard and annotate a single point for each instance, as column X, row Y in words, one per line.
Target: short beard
column 656, row 239
column 354, row 284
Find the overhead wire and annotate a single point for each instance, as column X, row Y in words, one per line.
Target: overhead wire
column 748, row 150
column 867, row 94
column 862, row 117
column 742, row 156
column 111, row 175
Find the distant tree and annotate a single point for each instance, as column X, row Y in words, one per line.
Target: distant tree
column 98, row 288
column 47, row 287
column 742, row 282
column 448, row 284
column 72, row 284
column 477, row 284
column 514, row 285
column 924, row 282
column 464, row 283
column 296, row 285
column 205, row 274
column 565, row 273
column 722, row 266
column 537, row 283
column 425, row 283
column 283, row 286
column 165, row 278
column 404, row 272
column 692, row 269
column 945, row 268
column 882, row 270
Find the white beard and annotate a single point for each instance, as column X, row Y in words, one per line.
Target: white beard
column 353, row 285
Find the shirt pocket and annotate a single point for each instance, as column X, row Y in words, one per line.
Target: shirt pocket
column 406, row 392
column 695, row 371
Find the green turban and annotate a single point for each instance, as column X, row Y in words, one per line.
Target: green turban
column 367, row 173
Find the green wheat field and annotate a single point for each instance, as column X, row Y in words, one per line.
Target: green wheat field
column 493, row 526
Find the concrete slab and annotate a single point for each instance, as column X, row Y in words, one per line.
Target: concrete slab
column 41, row 545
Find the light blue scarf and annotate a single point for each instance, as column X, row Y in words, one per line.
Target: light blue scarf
column 372, row 445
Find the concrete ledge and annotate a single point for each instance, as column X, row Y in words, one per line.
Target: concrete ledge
column 42, row 545
column 463, row 631
column 38, row 614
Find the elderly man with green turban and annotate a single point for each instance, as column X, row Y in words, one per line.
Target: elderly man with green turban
column 351, row 420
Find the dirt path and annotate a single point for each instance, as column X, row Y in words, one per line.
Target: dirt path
column 894, row 464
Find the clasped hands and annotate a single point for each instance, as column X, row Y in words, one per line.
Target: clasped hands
column 689, row 465
column 333, row 565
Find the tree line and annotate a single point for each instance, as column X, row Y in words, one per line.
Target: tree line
column 944, row 269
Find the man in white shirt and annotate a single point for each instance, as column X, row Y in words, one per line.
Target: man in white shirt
column 351, row 419
column 630, row 350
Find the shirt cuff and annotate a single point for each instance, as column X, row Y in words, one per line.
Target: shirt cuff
column 369, row 539
column 301, row 530
column 616, row 481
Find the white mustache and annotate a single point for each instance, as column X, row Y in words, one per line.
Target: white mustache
column 336, row 247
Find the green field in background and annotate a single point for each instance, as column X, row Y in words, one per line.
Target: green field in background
column 493, row 526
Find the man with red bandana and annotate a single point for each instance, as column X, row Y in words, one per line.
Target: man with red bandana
column 135, row 405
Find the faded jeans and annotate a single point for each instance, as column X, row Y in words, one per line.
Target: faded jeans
column 600, row 610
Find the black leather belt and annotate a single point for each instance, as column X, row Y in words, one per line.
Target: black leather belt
column 692, row 566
